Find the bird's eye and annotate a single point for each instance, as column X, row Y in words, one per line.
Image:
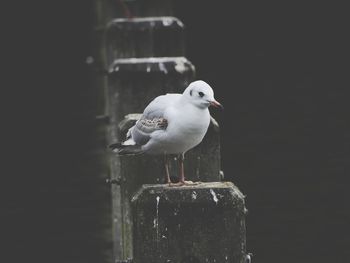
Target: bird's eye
column 201, row 94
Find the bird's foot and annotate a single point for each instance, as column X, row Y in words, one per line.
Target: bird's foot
column 183, row 183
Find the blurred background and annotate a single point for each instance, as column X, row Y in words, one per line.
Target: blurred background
column 280, row 69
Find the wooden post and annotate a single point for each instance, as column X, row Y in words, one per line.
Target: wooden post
column 145, row 37
column 133, row 82
column 196, row 224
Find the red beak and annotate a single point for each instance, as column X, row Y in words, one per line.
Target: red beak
column 216, row 104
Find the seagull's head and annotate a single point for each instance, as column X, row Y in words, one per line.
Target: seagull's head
column 200, row 94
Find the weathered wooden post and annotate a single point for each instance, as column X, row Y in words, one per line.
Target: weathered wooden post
column 132, row 84
column 145, row 37
column 202, row 223
column 146, row 59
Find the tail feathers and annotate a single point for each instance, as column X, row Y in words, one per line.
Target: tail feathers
column 122, row 149
column 116, row 145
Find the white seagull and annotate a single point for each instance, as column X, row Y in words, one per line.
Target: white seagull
column 171, row 124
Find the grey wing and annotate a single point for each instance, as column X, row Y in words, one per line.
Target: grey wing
column 143, row 129
column 152, row 119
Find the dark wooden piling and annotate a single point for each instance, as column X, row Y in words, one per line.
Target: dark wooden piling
column 134, row 82
column 191, row 224
column 145, row 37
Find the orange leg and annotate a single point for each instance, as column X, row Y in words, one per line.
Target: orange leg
column 182, row 169
column 166, row 163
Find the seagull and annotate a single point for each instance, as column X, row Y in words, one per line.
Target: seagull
column 171, row 124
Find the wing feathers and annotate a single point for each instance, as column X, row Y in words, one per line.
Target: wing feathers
column 141, row 132
column 149, row 126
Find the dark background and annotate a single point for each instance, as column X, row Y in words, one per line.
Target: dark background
column 282, row 73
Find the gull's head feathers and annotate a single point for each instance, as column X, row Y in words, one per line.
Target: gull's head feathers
column 200, row 94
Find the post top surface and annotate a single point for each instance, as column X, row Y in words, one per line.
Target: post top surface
column 198, row 193
column 151, row 64
column 150, row 60
column 156, row 21
column 200, row 185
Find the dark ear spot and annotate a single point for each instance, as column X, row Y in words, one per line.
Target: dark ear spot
column 191, row 92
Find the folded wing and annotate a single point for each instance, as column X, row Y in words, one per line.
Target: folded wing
column 152, row 119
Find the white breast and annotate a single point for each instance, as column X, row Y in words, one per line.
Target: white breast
column 186, row 129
